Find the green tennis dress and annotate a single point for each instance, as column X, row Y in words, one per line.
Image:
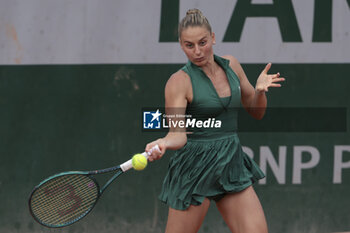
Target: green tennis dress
column 212, row 162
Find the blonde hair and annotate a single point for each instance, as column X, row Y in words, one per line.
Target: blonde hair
column 193, row 18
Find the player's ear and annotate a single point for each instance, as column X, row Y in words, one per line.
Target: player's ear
column 213, row 37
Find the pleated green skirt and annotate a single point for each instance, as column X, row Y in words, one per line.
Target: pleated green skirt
column 207, row 167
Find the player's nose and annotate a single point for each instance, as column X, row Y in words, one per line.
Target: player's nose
column 197, row 51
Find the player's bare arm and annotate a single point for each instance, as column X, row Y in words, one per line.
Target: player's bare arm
column 178, row 93
column 254, row 99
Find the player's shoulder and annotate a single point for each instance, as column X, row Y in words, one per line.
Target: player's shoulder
column 233, row 60
column 234, row 64
column 179, row 75
column 179, row 79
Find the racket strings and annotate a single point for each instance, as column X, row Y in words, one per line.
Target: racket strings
column 50, row 218
column 64, row 199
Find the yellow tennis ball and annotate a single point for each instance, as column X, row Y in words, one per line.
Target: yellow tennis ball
column 139, row 162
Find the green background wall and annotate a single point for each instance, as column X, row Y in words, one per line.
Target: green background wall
column 82, row 117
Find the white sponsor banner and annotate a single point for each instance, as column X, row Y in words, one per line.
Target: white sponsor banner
column 119, row 31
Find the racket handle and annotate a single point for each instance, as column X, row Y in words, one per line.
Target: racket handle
column 128, row 164
column 147, row 154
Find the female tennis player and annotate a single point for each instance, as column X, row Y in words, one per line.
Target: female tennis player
column 210, row 164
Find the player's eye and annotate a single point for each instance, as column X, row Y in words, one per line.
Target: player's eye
column 189, row 45
column 202, row 43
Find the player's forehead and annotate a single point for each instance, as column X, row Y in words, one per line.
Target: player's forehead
column 194, row 34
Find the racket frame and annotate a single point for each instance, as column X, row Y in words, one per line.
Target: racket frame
column 120, row 169
column 89, row 174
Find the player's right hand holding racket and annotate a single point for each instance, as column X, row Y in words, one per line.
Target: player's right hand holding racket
column 156, row 154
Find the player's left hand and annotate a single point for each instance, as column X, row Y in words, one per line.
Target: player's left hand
column 266, row 80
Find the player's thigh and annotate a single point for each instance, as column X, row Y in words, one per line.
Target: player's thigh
column 187, row 221
column 243, row 212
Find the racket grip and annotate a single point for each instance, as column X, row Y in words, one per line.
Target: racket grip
column 147, row 154
column 128, row 164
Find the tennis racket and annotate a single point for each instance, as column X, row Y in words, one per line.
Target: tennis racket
column 67, row 197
